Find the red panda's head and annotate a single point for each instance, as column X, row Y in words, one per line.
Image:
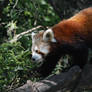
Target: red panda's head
column 41, row 44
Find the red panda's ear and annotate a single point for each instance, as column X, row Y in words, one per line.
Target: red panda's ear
column 49, row 36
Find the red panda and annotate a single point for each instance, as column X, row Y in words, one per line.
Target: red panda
column 72, row 36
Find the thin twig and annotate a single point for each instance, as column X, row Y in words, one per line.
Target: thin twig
column 15, row 4
column 17, row 37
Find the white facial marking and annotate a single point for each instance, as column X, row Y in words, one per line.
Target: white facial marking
column 54, row 40
column 36, row 48
column 36, row 56
column 44, row 49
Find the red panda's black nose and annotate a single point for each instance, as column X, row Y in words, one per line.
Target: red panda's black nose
column 33, row 58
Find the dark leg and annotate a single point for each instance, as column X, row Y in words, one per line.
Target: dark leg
column 80, row 58
column 48, row 66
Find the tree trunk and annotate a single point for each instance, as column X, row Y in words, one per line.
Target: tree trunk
column 67, row 8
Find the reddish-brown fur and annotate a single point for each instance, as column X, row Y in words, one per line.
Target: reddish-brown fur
column 80, row 24
column 74, row 37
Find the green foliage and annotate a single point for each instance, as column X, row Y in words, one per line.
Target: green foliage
column 63, row 65
column 15, row 59
column 29, row 13
column 15, row 64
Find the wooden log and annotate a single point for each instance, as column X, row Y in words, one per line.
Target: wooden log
column 58, row 83
column 28, row 87
column 63, row 82
column 85, row 82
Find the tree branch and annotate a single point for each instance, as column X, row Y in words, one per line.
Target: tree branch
column 73, row 80
column 17, row 37
column 64, row 81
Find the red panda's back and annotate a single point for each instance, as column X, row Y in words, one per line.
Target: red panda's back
column 80, row 24
column 84, row 16
column 85, row 19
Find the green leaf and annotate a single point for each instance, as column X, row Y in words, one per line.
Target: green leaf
column 47, row 18
column 43, row 2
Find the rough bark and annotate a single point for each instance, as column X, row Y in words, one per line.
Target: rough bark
column 85, row 82
column 63, row 81
column 58, row 82
column 74, row 80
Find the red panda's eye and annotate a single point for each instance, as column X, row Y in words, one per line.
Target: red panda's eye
column 37, row 51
